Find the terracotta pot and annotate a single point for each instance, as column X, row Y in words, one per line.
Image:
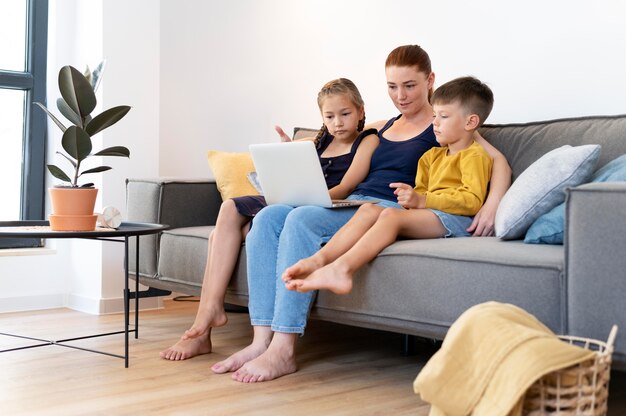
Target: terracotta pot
column 72, row 209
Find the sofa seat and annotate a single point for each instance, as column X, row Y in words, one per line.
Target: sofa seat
column 429, row 270
column 444, row 277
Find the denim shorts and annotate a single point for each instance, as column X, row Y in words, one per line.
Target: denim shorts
column 455, row 225
column 382, row 202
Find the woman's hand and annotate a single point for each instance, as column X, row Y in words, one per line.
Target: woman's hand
column 483, row 224
column 282, row 134
column 407, row 197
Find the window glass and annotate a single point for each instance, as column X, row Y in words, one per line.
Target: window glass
column 13, row 35
column 11, row 133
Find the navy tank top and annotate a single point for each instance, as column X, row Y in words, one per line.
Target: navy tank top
column 395, row 162
column 335, row 168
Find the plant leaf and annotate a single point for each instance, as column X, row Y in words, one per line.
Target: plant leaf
column 56, row 120
column 69, row 159
column 98, row 169
column 114, row 151
column 76, row 143
column 58, row 173
column 96, row 75
column 68, row 112
column 76, row 91
column 106, row 118
column 87, row 75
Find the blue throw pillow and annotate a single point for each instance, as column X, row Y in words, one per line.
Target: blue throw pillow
column 548, row 229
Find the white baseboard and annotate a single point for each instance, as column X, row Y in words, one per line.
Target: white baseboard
column 31, row 303
column 93, row 306
column 109, row 305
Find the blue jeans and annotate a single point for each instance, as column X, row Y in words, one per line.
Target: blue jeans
column 281, row 236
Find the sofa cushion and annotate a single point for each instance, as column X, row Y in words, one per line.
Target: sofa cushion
column 548, row 229
column 422, row 286
column 231, row 170
column 182, row 261
column 541, row 187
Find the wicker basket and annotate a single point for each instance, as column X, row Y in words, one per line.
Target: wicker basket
column 581, row 390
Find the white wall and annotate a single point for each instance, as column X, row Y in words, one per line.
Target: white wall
column 208, row 74
column 88, row 275
column 231, row 70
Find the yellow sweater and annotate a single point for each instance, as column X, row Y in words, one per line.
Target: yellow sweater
column 454, row 184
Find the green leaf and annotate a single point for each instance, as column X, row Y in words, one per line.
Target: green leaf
column 95, row 170
column 87, row 75
column 58, row 173
column 69, row 159
column 56, row 120
column 106, row 118
column 114, row 151
column 68, row 112
column 76, row 91
column 96, row 75
column 76, row 143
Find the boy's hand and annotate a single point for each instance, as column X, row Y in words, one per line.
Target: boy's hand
column 282, row 134
column 407, row 197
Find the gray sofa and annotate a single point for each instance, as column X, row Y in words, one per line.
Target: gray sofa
column 419, row 287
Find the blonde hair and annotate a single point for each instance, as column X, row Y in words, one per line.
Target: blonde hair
column 340, row 86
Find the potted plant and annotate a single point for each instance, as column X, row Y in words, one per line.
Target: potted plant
column 77, row 101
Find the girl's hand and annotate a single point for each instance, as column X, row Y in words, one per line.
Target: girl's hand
column 282, row 134
column 407, row 197
column 483, row 223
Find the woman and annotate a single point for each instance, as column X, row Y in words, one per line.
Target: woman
column 283, row 235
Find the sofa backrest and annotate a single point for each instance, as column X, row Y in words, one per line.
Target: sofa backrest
column 302, row 132
column 522, row 144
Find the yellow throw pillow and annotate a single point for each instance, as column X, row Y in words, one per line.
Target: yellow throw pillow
column 230, row 170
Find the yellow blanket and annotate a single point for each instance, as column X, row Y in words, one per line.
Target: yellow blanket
column 491, row 355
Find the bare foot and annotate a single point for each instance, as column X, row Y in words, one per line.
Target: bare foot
column 270, row 365
column 207, row 317
column 303, row 268
column 238, row 359
column 187, row 348
column 331, row 277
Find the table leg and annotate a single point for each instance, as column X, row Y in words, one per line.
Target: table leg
column 126, row 301
column 137, row 288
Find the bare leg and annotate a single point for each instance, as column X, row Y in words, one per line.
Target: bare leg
column 260, row 343
column 337, row 276
column 341, row 242
column 278, row 360
column 230, row 230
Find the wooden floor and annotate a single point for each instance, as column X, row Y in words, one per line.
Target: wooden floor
column 342, row 371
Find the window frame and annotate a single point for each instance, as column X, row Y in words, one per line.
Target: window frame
column 33, row 82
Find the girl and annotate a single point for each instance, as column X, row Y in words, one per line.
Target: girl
column 340, row 142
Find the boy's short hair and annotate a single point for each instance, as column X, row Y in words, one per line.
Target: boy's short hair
column 472, row 94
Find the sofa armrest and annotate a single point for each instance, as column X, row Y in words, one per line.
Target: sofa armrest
column 595, row 256
column 175, row 202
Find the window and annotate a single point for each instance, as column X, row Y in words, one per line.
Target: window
column 23, row 42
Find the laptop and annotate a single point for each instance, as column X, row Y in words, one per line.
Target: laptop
column 290, row 173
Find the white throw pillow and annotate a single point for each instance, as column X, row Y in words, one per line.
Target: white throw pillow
column 541, row 187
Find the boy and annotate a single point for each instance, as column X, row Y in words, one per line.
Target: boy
column 450, row 187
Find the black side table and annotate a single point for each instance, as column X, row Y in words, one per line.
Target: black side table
column 41, row 229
